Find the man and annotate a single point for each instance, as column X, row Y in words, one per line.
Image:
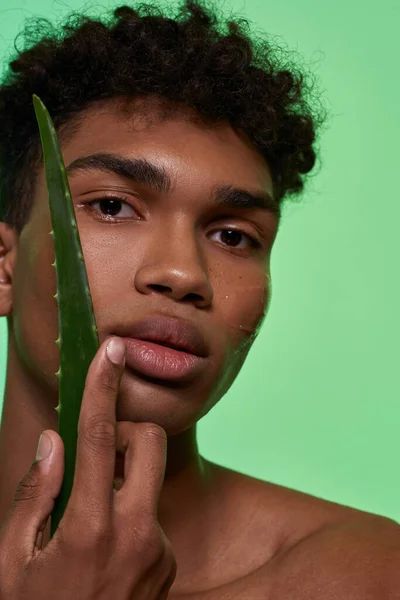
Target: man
column 181, row 143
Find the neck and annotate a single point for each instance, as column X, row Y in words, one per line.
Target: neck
column 28, row 409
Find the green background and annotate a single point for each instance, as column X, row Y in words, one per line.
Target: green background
column 316, row 407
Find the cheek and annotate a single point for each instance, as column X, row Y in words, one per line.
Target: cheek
column 110, row 272
column 244, row 302
column 243, row 310
column 35, row 318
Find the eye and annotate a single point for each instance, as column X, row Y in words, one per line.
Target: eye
column 233, row 237
column 110, row 206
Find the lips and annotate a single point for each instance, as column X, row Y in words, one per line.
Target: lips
column 165, row 348
column 167, row 331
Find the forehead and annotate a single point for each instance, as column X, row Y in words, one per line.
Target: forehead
column 176, row 139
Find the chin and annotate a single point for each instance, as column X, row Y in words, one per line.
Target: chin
column 173, row 407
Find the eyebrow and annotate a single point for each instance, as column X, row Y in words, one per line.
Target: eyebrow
column 143, row 171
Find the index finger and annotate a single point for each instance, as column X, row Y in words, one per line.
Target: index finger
column 96, row 447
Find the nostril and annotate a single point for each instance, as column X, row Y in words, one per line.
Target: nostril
column 178, row 294
column 193, row 297
column 160, row 288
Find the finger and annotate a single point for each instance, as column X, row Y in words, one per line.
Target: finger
column 34, row 501
column 96, row 447
column 145, row 450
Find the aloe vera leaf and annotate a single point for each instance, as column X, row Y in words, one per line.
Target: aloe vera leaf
column 78, row 339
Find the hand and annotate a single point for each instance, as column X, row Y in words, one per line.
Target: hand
column 109, row 544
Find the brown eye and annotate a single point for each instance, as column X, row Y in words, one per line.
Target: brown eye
column 111, row 207
column 233, row 238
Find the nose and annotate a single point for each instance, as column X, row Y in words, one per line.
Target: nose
column 175, row 266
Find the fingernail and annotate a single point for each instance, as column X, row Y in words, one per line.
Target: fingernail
column 44, row 447
column 116, row 350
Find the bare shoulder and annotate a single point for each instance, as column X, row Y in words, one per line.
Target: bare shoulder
column 357, row 558
column 318, row 549
column 287, row 515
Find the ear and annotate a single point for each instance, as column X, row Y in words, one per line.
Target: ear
column 8, row 258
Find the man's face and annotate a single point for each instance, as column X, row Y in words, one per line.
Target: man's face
column 152, row 251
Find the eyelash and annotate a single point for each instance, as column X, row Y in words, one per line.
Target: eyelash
column 254, row 242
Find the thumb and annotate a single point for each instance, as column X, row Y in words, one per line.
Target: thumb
column 34, row 497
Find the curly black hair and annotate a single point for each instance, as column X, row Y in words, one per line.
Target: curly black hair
column 193, row 59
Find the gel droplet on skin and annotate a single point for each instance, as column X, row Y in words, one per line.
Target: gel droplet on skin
column 249, row 320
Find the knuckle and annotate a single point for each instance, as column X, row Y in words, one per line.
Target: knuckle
column 28, row 488
column 146, row 433
column 89, row 537
column 169, row 555
column 149, row 543
column 152, row 431
column 100, row 528
column 99, row 535
column 169, row 560
column 98, row 430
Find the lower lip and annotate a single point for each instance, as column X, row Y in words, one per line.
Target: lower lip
column 161, row 362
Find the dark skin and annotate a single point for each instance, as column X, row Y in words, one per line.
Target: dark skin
column 166, row 252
